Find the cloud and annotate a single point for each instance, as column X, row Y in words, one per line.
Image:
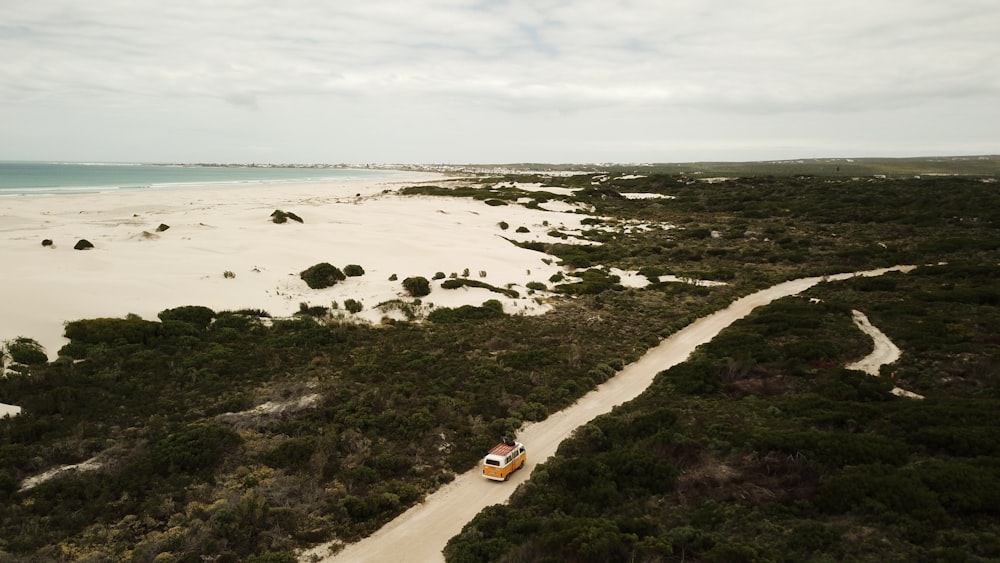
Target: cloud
column 579, row 59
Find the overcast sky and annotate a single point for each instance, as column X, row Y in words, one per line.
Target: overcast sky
column 495, row 81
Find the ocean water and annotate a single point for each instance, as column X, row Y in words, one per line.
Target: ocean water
column 27, row 178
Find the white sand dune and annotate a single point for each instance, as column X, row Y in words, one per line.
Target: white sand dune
column 134, row 268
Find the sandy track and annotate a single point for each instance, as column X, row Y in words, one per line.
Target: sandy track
column 420, row 534
column 884, row 352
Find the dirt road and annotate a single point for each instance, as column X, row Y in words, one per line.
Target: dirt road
column 421, row 533
column 884, row 352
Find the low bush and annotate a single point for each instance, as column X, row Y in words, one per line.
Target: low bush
column 312, row 310
column 322, row 275
column 196, row 315
column 592, row 281
column 26, row 351
column 457, row 283
column 353, row 270
column 491, row 309
column 279, row 216
column 353, row 305
column 130, row 330
column 196, row 449
column 417, row 286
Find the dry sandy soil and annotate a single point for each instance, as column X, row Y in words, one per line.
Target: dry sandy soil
column 884, row 352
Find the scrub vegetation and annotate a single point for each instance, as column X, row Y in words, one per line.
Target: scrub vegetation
column 232, row 435
column 762, row 447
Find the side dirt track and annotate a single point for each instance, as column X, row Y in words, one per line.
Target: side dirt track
column 420, row 534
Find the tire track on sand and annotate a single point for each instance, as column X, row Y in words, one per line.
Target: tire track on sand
column 420, row 533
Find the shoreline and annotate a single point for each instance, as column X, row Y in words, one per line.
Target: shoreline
column 21, row 178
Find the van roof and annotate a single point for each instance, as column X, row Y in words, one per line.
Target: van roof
column 503, row 449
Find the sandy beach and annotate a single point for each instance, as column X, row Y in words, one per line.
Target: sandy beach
column 223, row 251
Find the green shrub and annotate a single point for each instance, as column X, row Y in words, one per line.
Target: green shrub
column 292, row 454
column 836, row 449
column 130, row 330
column 353, row 306
column 522, row 229
column 652, row 273
column 439, row 276
column 353, row 270
column 322, row 275
column 576, row 259
column 880, row 490
column 490, row 309
column 531, row 245
column 312, row 311
column 83, row 244
column 592, row 281
column 457, row 283
column 693, row 377
column 196, row 315
column 279, row 216
column 26, row 351
column 417, row 286
column 537, row 286
column 503, row 225
column 195, row 449
column 495, row 202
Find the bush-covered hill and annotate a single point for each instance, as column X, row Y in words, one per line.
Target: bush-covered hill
column 232, row 435
column 763, row 448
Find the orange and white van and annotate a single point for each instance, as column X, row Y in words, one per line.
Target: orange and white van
column 503, row 459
